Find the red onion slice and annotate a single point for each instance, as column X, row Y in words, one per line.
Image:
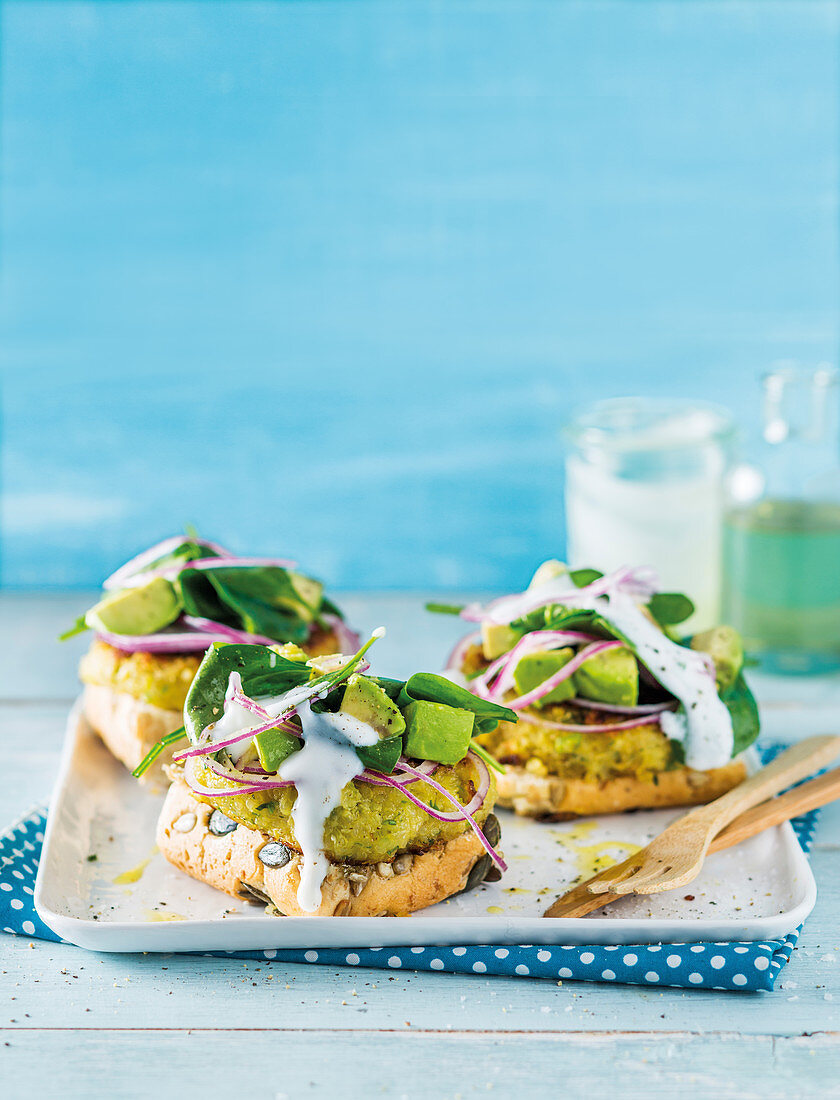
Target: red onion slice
column 225, row 632
column 606, row 727
column 614, row 708
column 456, row 657
column 248, row 787
column 638, row 583
column 208, row 747
column 135, row 566
column 201, row 634
column 228, row 561
column 463, row 813
column 134, row 573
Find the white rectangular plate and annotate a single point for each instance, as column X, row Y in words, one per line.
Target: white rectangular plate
column 130, row 899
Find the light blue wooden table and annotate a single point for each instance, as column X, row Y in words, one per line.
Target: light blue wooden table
column 76, row 1024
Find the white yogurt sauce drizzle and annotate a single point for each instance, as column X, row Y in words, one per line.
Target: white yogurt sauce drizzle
column 703, row 724
column 320, row 770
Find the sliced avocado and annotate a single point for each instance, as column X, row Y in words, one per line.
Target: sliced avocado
column 367, row 701
column 435, row 731
column 382, row 756
column 496, row 639
column 535, row 668
column 273, row 746
column 724, row 646
column 145, row 609
column 609, row 677
column 547, row 572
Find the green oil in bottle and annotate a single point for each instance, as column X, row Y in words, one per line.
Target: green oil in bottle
column 781, row 584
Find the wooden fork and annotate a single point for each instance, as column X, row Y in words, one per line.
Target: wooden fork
column 579, row 901
column 675, row 857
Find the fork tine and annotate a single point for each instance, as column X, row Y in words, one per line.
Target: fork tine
column 672, row 882
column 607, row 879
column 645, row 875
column 658, row 879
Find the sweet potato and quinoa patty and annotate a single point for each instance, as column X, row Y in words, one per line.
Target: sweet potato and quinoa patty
column 162, row 679
column 642, row 752
column 370, row 824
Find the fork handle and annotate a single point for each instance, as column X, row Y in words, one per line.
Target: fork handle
column 789, row 767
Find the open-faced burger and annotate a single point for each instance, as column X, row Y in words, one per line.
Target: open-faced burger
column 316, row 788
column 617, row 710
column 159, row 613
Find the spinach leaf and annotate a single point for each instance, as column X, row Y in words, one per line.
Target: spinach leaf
column 670, row 608
column 558, row 617
column 200, row 599
column 437, row 689
column 259, row 617
column 740, row 703
column 263, row 672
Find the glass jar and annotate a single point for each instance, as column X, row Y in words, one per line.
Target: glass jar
column 645, row 486
column 782, row 527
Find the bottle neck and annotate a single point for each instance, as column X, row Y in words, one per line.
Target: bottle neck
column 801, row 432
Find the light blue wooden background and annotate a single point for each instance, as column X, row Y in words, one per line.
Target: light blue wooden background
column 325, row 278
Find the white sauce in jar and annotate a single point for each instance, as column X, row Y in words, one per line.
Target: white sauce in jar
column 703, row 724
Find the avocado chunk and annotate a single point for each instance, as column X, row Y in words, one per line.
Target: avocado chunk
column 724, row 646
column 145, row 609
column 496, row 639
column 435, row 731
column 367, row 701
column 535, row 668
column 611, row 676
column 273, row 746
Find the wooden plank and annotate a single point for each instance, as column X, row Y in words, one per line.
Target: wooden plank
column 157, row 991
column 56, row 985
column 402, row 1064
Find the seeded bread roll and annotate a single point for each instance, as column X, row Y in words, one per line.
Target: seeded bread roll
column 130, row 728
column 250, row 865
column 554, row 798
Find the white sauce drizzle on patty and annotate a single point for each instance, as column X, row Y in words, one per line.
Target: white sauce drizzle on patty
column 320, row 770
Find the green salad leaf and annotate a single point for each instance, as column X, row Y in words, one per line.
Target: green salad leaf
column 268, row 600
column 670, row 608
column 742, row 707
column 582, row 577
column 263, row 672
column 432, row 688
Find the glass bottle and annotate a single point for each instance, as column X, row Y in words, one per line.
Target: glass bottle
column 781, row 546
column 645, row 486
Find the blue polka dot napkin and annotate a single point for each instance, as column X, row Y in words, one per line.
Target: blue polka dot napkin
column 731, row 966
